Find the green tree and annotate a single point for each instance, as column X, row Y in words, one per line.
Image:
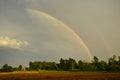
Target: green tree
column 102, row 66
column 20, row 67
column 95, row 63
column 6, row 68
column 72, row 64
column 80, row 65
column 34, row 65
column 119, row 62
column 86, row 66
column 112, row 64
column 62, row 64
column 112, row 60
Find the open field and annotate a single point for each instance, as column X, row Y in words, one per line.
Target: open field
column 54, row 75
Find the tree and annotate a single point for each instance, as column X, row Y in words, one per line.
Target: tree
column 112, row 60
column 102, row 66
column 35, row 65
column 95, row 63
column 62, row 64
column 72, row 64
column 119, row 62
column 6, row 68
column 20, row 67
column 95, row 60
column 86, row 66
column 112, row 64
column 80, row 65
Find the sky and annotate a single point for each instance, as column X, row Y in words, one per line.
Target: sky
column 47, row 30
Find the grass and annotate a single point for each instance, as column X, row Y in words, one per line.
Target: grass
column 59, row 75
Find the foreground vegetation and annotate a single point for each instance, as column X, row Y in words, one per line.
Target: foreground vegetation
column 113, row 64
column 59, row 75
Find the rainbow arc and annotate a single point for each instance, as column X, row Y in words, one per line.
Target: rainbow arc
column 50, row 17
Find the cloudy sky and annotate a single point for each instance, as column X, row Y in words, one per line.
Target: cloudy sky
column 32, row 30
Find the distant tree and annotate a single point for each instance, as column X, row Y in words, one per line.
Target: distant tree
column 35, row 65
column 72, row 64
column 68, row 65
column 112, row 60
column 27, row 68
column 6, row 68
column 112, row 64
column 102, row 66
column 20, row 67
column 62, row 64
column 86, row 66
column 95, row 62
column 119, row 62
column 80, row 65
column 44, row 65
column 15, row 69
column 54, row 66
column 30, row 66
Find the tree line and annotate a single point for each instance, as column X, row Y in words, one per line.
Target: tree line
column 113, row 64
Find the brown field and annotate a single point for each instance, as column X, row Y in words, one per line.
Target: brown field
column 54, row 75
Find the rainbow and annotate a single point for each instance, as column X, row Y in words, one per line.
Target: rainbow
column 65, row 26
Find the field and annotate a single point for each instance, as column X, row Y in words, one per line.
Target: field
column 57, row 75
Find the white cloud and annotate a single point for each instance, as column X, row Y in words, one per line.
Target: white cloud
column 12, row 43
